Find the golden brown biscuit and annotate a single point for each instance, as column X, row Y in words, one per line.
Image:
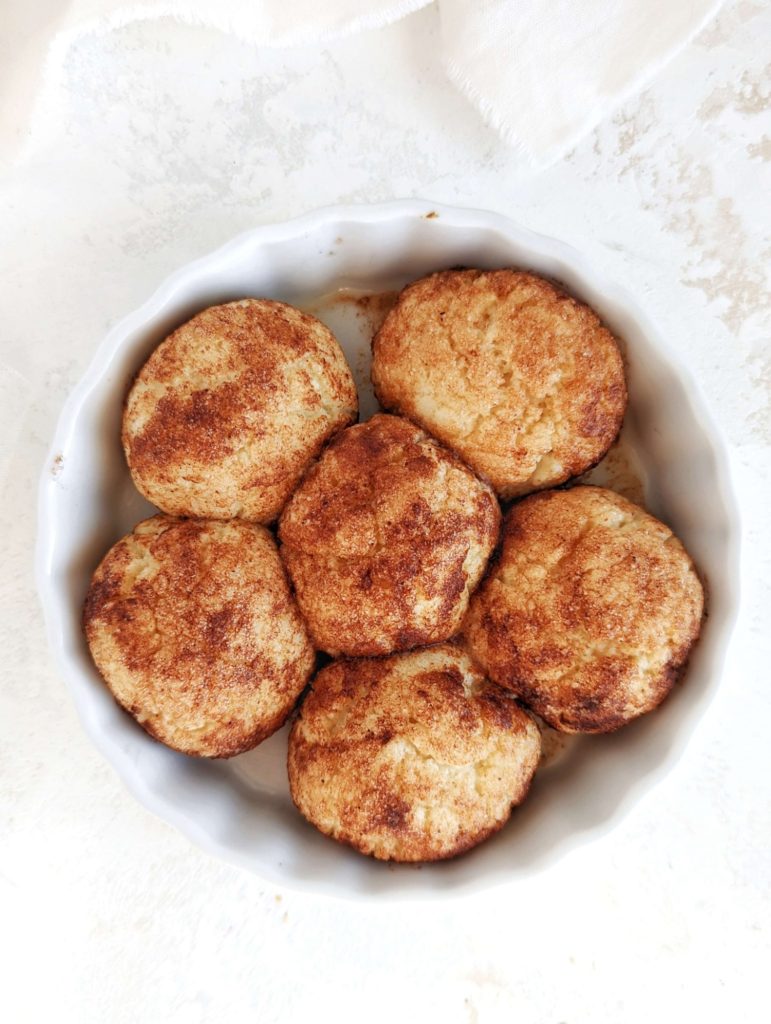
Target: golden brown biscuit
column 521, row 380
column 228, row 411
column 590, row 611
column 385, row 538
column 193, row 628
column 415, row 757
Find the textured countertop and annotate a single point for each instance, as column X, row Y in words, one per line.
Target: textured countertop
column 157, row 143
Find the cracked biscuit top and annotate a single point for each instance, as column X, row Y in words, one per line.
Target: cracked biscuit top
column 415, row 757
column 228, row 411
column 590, row 611
column 385, row 538
column 520, row 379
column 193, row 627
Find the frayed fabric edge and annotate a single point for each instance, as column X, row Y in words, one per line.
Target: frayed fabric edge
column 539, row 159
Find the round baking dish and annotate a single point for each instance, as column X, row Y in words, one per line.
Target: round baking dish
column 342, row 263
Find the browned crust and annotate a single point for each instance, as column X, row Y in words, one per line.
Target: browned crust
column 193, row 628
column 416, row 757
column 519, row 378
column 385, row 538
column 590, row 611
column 228, row 411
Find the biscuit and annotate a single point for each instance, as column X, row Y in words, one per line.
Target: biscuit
column 228, row 411
column 416, row 757
column 520, row 379
column 385, row 538
column 192, row 625
column 590, row 611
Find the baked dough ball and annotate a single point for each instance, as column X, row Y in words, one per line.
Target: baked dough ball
column 518, row 378
column 590, row 611
column 385, row 538
column 193, row 627
column 228, row 411
column 415, row 757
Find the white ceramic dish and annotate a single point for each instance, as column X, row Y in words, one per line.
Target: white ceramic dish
column 240, row 809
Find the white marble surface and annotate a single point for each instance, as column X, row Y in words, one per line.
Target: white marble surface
column 158, row 143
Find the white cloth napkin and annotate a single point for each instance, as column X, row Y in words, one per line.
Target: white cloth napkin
column 541, row 72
